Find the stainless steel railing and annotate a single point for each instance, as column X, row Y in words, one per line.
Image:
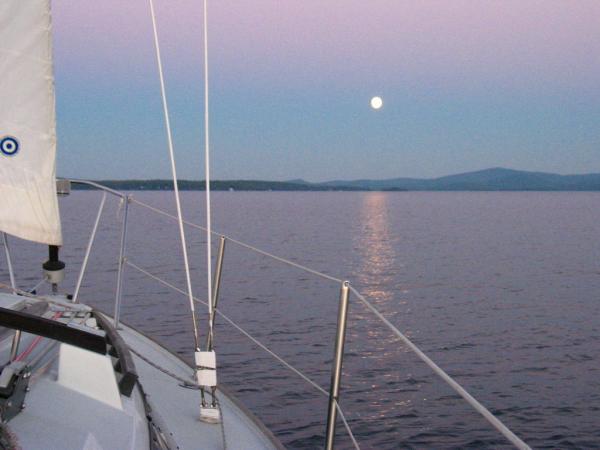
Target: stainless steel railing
column 89, row 249
column 336, row 370
column 117, row 314
column 126, row 199
column 216, row 289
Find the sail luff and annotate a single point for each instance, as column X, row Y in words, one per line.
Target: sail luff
column 28, row 203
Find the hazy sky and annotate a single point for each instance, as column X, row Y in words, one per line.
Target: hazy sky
column 466, row 84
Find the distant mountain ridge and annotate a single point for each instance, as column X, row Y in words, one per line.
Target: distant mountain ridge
column 494, row 179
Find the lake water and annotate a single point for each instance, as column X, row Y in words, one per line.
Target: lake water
column 502, row 290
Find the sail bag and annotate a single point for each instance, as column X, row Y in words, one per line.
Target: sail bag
column 28, row 201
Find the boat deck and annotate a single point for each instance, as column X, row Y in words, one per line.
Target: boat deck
column 74, row 401
column 179, row 407
column 56, row 418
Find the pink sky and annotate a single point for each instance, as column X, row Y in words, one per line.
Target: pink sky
column 456, row 41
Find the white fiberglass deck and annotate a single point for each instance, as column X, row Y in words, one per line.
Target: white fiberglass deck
column 74, row 402
column 179, row 407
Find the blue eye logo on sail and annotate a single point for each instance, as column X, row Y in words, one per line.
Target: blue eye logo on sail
column 9, row 146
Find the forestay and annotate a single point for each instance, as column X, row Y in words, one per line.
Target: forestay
column 28, row 203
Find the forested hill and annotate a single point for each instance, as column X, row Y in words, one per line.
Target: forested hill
column 495, row 179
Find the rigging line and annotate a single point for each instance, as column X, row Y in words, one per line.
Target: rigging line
column 89, row 249
column 174, row 173
column 182, row 380
column 26, row 293
column 495, row 422
column 34, row 288
column 207, row 180
column 25, row 353
column 188, row 383
column 273, row 354
column 347, row 425
column 222, row 423
column 11, row 273
column 236, row 326
column 242, row 244
column 285, row 261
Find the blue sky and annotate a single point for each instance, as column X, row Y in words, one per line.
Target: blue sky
column 466, row 85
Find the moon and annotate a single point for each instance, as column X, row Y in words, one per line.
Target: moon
column 376, row 102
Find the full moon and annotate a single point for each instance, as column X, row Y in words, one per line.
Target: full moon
column 376, row 102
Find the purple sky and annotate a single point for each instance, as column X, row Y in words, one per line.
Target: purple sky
column 466, row 85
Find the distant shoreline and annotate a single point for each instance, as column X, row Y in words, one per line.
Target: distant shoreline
column 495, row 179
column 215, row 185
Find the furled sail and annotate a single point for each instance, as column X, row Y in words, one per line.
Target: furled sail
column 28, row 203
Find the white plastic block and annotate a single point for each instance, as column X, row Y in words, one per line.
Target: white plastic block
column 209, row 414
column 206, row 377
column 206, row 359
column 206, row 365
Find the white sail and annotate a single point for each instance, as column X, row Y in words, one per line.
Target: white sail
column 28, row 203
